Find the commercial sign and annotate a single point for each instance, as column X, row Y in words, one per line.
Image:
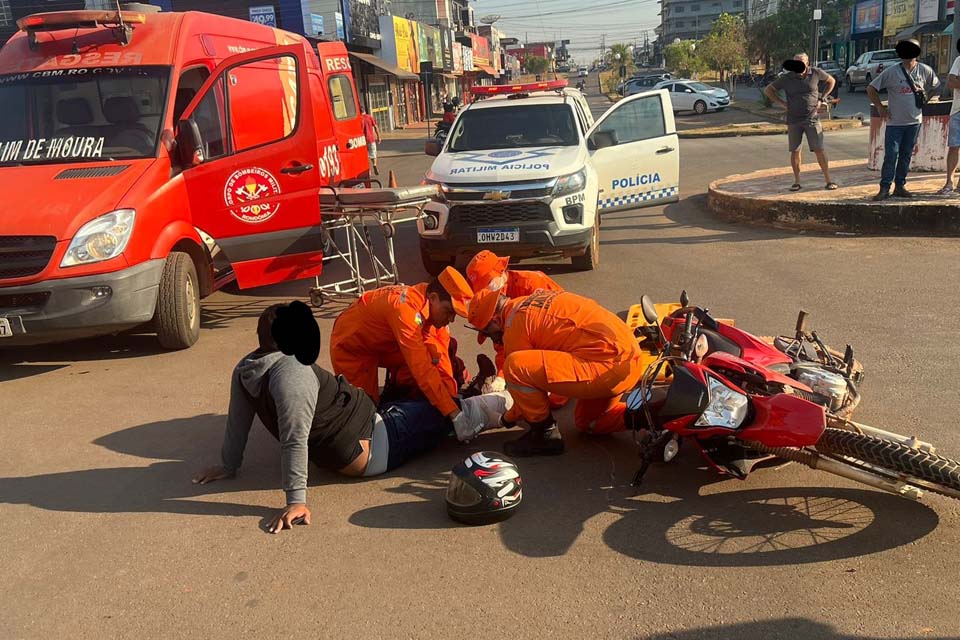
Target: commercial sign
column 264, row 15
column 867, row 16
column 898, row 15
column 481, row 50
column 341, row 32
column 457, row 58
column 316, row 24
column 431, row 49
column 405, row 36
column 468, row 59
column 446, row 44
column 362, row 19
column 928, row 11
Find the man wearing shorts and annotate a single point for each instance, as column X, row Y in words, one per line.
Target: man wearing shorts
column 372, row 133
column 802, row 90
column 953, row 138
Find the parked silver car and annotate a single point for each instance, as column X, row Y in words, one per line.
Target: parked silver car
column 690, row 95
column 868, row 66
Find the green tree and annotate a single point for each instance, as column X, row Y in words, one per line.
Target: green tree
column 724, row 50
column 537, row 65
column 682, row 58
column 789, row 31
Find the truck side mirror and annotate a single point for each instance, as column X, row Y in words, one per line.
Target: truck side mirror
column 603, row 139
column 432, row 147
column 189, row 144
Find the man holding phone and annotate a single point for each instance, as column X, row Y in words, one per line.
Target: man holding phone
column 908, row 85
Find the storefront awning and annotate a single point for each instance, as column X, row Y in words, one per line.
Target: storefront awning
column 490, row 71
column 446, row 74
column 927, row 27
column 385, row 66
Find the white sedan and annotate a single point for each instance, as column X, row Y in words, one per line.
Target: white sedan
column 690, row 95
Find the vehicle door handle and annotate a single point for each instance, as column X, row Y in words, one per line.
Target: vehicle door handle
column 665, row 150
column 297, row 169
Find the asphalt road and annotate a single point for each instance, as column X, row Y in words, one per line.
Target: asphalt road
column 103, row 535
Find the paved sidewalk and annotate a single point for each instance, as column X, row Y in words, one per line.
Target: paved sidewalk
column 763, row 197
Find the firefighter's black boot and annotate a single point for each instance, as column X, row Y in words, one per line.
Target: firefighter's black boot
column 542, row 439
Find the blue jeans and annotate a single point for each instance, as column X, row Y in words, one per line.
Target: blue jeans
column 413, row 428
column 898, row 146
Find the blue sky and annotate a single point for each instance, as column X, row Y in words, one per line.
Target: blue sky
column 583, row 23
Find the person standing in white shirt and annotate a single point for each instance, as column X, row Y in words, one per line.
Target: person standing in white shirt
column 953, row 136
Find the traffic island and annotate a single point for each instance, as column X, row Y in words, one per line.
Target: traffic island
column 762, row 129
column 764, row 198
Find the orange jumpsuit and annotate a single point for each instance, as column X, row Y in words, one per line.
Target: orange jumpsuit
column 558, row 342
column 390, row 328
column 519, row 284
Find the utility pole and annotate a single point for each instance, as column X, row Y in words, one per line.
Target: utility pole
column 817, row 16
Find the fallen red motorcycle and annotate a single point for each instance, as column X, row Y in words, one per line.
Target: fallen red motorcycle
column 743, row 414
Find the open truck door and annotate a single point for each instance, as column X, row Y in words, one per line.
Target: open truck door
column 636, row 153
column 248, row 149
column 350, row 151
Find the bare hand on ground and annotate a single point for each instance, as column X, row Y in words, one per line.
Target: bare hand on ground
column 291, row 515
column 211, row 474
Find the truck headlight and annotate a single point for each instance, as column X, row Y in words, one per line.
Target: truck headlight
column 571, row 184
column 727, row 408
column 100, row 239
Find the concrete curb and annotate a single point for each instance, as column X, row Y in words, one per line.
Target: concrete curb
column 856, row 216
column 763, row 129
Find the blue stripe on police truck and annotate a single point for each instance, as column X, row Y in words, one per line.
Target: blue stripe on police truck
column 637, row 198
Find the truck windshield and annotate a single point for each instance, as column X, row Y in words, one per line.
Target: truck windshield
column 82, row 114
column 513, row 127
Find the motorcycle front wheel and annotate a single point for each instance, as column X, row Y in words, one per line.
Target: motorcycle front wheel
column 893, row 460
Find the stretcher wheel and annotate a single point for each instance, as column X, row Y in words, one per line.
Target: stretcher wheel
column 317, row 299
column 388, row 229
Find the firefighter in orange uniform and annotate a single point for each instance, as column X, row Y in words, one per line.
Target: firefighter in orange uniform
column 559, row 342
column 487, row 270
column 403, row 329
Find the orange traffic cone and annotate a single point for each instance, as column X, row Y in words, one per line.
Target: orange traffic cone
column 392, row 182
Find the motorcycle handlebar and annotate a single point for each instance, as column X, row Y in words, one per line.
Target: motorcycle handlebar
column 702, row 316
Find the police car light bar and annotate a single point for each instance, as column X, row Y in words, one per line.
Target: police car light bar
column 507, row 89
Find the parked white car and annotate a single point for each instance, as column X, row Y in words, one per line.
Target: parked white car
column 690, row 95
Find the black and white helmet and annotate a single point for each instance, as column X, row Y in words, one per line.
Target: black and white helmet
column 485, row 488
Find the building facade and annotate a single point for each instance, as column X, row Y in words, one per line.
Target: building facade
column 693, row 19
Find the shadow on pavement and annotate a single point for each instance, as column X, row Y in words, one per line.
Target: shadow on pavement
column 667, row 520
column 16, row 362
column 182, row 447
column 782, row 628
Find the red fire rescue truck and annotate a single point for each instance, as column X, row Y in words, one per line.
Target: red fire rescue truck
column 150, row 158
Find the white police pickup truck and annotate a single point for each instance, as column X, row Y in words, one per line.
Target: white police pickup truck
column 526, row 171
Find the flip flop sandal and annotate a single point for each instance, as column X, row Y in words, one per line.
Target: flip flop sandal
column 832, row 186
column 796, row 187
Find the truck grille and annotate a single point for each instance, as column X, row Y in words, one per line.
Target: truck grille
column 477, row 215
column 515, row 194
column 22, row 256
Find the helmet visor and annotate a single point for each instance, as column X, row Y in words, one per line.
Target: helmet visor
column 460, row 494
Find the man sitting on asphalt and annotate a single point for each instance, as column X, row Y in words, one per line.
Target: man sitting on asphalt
column 908, row 84
column 322, row 418
column 801, row 85
column 559, row 342
column 403, row 329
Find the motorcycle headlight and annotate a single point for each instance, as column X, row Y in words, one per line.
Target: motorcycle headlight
column 100, row 239
column 727, row 408
column 571, row 184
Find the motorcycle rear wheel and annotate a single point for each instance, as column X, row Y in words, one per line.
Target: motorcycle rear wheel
column 926, row 470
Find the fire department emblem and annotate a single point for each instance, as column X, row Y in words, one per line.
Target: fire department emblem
column 246, row 194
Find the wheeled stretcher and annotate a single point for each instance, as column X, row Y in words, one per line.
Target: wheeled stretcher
column 348, row 214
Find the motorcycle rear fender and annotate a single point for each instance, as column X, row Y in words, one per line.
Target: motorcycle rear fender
column 783, row 420
column 754, row 349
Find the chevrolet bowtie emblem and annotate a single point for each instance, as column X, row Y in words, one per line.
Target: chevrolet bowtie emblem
column 496, row 196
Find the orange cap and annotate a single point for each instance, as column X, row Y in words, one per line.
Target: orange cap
column 481, row 311
column 484, row 267
column 458, row 288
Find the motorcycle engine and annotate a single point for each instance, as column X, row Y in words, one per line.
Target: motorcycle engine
column 825, row 383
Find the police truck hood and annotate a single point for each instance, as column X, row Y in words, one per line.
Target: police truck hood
column 57, row 199
column 507, row 165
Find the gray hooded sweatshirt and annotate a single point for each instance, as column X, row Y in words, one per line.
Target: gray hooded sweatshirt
column 291, row 391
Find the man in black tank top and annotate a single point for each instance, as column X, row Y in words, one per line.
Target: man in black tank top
column 321, row 418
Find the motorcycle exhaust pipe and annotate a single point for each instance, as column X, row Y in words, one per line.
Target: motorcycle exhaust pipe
column 908, row 441
column 815, row 461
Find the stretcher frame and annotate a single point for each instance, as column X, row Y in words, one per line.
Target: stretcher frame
column 357, row 247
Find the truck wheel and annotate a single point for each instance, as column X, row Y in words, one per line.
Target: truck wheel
column 178, row 303
column 591, row 259
column 434, row 267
